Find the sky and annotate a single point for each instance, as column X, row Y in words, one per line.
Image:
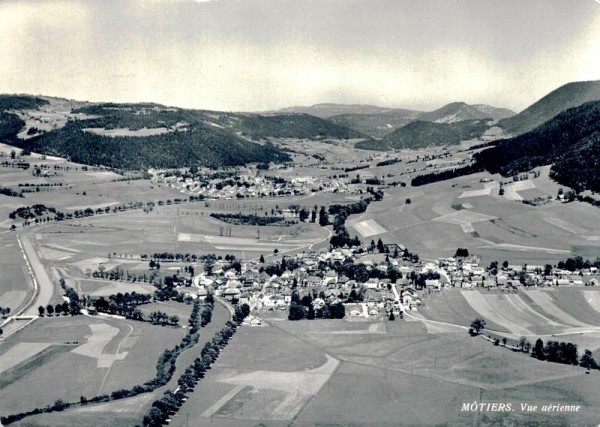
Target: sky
column 257, row 55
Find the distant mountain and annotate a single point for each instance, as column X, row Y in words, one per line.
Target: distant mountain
column 377, row 125
column 329, row 110
column 280, row 125
column 378, row 122
column 421, row 134
column 567, row 96
column 570, row 141
column 459, row 111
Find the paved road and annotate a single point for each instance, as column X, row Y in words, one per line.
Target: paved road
column 43, row 285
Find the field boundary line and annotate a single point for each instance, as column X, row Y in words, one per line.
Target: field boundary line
column 116, row 354
column 591, row 331
column 222, row 401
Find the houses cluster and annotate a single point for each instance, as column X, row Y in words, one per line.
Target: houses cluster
column 380, row 283
column 468, row 273
column 266, row 287
column 246, row 183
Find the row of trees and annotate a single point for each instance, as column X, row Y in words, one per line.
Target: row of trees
column 161, row 318
column 342, row 212
column 57, row 309
column 554, row 351
column 123, row 304
column 170, row 402
column 445, row 175
column 252, row 219
column 565, row 353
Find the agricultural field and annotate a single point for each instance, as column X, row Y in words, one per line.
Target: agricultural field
column 130, row 411
column 547, row 312
column 336, row 372
column 464, row 212
column 15, row 283
column 100, row 355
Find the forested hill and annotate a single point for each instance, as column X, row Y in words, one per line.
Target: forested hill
column 151, row 136
column 138, row 136
column 10, row 123
column 20, row 102
column 421, row 134
column 570, row 141
column 565, row 97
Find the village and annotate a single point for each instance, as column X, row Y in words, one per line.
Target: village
column 371, row 282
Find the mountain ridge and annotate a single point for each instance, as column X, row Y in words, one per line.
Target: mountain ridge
column 560, row 99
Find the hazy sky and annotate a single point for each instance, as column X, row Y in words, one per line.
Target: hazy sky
column 265, row 54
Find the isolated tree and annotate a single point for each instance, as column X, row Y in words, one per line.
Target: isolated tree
column 504, row 341
column 41, row 310
column 380, row 246
column 261, row 259
column 323, row 217
column 478, row 325
column 50, row 309
column 392, row 317
column 587, row 361
column 522, row 342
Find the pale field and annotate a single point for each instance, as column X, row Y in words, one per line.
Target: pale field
column 128, row 132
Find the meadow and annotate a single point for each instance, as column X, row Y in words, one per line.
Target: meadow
column 100, row 355
column 312, row 373
column 130, row 411
column 464, row 212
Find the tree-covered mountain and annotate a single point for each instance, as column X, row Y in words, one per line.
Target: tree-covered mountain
column 301, row 126
column 561, row 99
column 422, row 134
column 570, row 141
column 198, row 145
column 168, row 137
